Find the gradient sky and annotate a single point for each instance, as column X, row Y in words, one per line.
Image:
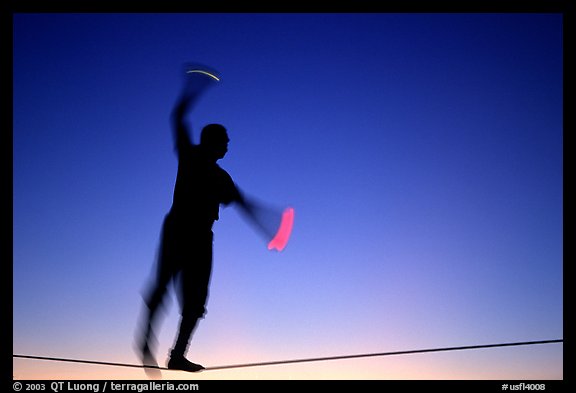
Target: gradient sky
column 422, row 154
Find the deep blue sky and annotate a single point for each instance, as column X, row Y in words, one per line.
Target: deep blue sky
column 421, row 152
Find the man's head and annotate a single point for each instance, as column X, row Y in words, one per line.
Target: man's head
column 214, row 139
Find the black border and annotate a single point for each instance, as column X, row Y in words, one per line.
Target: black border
column 564, row 7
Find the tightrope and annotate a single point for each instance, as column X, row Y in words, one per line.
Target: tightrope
column 304, row 360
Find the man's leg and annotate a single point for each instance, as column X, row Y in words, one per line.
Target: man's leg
column 178, row 359
column 194, row 282
column 194, row 295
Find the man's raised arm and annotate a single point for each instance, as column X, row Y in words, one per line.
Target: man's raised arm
column 180, row 129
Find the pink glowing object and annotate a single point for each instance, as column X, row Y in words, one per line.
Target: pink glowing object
column 283, row 234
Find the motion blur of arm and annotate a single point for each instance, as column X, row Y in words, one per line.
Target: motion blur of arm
column 255, row 213
column 180, row 129
column 242, row 203
column 193, row 89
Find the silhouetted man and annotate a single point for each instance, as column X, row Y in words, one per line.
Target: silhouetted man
column 185, row 255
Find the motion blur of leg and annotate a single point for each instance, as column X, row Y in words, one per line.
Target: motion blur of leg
column 147, row 343
column 193, row 285
column 186, row 262
column 167, row 270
